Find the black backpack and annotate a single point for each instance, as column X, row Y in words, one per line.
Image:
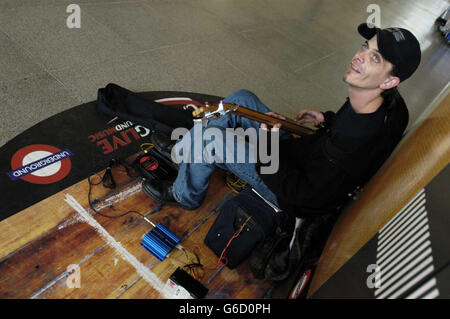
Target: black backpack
column 248, row 219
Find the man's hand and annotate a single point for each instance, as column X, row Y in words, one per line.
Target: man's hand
column 309, row 116
column 277, row 126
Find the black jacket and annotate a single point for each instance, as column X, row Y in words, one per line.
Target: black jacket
column 318, row 172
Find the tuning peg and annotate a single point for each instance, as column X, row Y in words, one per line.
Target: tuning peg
column 198, row 112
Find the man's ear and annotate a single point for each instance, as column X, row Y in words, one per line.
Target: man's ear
column 390, row 83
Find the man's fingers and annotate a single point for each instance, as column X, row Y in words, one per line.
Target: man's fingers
column 306, row 119
column 301, row 114
column 275, row 127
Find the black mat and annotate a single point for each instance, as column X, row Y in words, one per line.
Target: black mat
column 76, row 143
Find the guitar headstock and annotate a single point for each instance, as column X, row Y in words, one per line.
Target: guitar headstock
column 208, row 111
column 202, row 110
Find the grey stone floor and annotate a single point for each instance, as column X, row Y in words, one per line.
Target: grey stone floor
column 291, row 53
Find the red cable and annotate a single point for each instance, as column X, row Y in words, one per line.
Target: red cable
column 236, row 234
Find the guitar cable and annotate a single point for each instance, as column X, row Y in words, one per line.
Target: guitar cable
column 108, row 181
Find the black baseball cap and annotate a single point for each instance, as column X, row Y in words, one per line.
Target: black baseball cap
column 398, row 46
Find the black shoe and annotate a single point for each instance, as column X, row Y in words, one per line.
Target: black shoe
column 161, row 191
column 163, row 143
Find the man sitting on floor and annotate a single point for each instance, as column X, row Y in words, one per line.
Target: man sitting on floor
column 317, row 172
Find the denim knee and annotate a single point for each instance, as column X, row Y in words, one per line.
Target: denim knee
column 245, row 92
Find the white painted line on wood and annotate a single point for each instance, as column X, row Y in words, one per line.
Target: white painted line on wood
column 141, row 269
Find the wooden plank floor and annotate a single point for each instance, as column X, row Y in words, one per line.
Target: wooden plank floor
column 38, row 245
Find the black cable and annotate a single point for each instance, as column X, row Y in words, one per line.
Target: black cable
column 97, row 212
column 194, row 265
column 108, row 181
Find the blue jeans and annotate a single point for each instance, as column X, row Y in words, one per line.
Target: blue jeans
column 192, row 182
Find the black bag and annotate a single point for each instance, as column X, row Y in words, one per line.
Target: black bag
column 233, row 215
column 116, row 101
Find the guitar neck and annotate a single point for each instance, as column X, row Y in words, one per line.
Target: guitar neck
column 287, row 124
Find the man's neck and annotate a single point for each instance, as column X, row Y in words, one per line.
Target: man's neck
column 364, row 101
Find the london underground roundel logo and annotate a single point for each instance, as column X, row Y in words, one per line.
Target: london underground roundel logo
column 40, row 164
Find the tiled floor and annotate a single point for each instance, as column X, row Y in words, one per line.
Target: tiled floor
column 291, row 53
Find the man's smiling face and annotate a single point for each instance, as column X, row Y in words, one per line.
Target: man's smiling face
column 368, row 69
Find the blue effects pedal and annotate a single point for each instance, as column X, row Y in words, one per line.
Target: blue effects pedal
column 160, row 241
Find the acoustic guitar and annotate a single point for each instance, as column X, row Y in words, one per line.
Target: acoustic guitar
column 214, row 111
